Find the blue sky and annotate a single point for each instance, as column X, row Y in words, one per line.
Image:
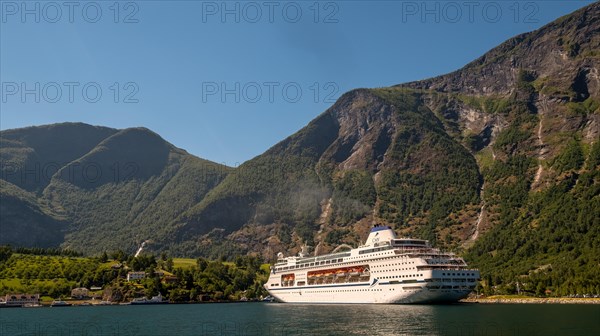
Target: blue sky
column 227, row 80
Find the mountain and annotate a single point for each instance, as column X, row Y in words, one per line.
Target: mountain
column 372, row 156
column 498, row 160
column 95, row 188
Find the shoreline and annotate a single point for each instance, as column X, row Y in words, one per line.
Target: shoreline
column 484, row 301
column 532, row 300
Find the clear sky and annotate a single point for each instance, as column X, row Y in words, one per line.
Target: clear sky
column 227, row 80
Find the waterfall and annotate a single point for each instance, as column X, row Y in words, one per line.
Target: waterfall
column 140, row 249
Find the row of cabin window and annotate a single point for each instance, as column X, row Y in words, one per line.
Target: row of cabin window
column 459, row 274
column 328, row 262
column 402, row 276
column 387, row 265
column 347, row 290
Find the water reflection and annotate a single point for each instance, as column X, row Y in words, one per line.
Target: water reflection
column 355, row 319
column 304, row 319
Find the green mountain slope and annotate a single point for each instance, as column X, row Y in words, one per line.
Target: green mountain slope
column 25, row 222
column 110, row 189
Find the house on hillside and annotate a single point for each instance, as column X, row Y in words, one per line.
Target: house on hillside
column 169, row 279
column 131, row 276
column 80, row 293
column 21, row 299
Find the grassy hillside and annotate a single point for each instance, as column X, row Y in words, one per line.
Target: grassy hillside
column 54, row 276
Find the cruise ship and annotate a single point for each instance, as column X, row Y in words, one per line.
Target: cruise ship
column 386, row 270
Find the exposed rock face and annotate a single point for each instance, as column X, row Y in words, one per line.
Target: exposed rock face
column 366, row 126
column 564, row 51
column 375, row 149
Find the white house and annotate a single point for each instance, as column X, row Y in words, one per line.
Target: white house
column 21, row 299
column 131, row 276
column 80, row 293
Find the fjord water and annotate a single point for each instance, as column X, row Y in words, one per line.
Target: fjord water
column 289, row 319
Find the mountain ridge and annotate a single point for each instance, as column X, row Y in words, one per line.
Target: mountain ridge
column 93, row 178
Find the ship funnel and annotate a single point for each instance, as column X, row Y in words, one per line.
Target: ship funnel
column 380, row 234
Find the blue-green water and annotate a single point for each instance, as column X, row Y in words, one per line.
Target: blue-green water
column 289, row 319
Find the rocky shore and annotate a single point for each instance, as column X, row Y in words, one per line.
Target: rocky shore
column 533, row 300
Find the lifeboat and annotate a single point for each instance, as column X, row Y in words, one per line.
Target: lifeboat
column 356, row 271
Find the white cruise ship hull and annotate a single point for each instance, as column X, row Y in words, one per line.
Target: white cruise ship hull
column 383, row 293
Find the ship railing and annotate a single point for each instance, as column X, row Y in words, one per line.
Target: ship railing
column 332, row 256
column 429, row 252
column 446, row 268
column 452, row 262
column 441, row 267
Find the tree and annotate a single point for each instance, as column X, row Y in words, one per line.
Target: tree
column 169, row 264
column 540, row 289
column 5, row 253
column 119, row 255
column 201, row 263
column 104, row 257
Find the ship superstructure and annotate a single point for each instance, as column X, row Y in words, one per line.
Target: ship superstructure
column 386, row 269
